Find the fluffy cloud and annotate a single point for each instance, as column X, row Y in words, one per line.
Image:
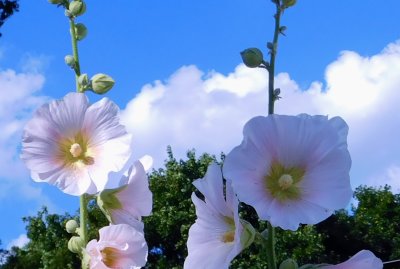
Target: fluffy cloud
column 207, row 111
column 21, row 241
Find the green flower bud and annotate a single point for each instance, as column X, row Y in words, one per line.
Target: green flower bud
column 80, row 31
column 71, row 226
column 77, row 8
column 102, row 83
column 288, row 3
column 70, row 61
column 75, row 244
column 288, row 264
column 252, row 57
column 56, row 2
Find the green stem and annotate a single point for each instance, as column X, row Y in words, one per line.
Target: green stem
column 83, row 213
column 271, row 257
column 83, row 216
column 270, row 248
column 75, row 53
column 271, row 69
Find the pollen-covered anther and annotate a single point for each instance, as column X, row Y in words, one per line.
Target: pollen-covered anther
column 76, row 150
column 285, row 181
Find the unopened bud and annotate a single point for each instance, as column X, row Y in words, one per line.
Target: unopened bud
column 289, row 264
column 80, row 31
column 71, row 226
column 77, row 8
column 102, row 83
column 56, row 2
column 70, row 61
column 75, row 244
column 288, row 3
column 252, row 57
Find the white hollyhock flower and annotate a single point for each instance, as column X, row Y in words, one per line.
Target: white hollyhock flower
column 364, row 259
column 218, row 235
column 120, row 246
column 292, row 169
column 74, row 145
column 129, row 202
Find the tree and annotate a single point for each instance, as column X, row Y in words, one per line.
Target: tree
column 7, row 8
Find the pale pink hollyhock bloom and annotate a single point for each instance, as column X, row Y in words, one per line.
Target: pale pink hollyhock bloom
column 218, row 235
column 364, row 259
column 292, row 169
column 74, row 145
column 129, row 202
column 120, row 246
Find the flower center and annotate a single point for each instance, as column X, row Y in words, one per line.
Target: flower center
column 76, row 150
column 282, row 182
column 110, row 257
column 228, row 237
column 285, row 181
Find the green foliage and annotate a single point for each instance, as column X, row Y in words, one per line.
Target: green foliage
column 7, row 8
column 373, row 224
column 173, row 211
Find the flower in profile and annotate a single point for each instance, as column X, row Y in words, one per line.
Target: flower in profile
column 292, row 169
column 129, row 202
column 218, row 229
column 364, row 259
column 74, row 145
column 120, row 246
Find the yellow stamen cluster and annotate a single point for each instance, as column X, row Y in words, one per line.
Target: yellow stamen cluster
column 282, row 182
column 110, row 256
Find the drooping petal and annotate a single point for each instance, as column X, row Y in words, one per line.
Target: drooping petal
column 135, row 197
column 212, row 189
column 217, row 229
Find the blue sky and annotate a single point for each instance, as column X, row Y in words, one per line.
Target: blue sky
column 179, row 79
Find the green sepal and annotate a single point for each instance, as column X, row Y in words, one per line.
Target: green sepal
column 107, row 201
column 248, row 234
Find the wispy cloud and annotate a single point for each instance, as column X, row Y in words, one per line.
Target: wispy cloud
column 18, row 98
column 192, row 109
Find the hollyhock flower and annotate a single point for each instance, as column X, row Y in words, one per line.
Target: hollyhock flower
column 218, row 229
column 364, row 259
column 292, row 169
column 120, row 246
column 129, row 202
column 74, row 145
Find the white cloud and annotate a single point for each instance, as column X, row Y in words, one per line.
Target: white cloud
column 17, row 101
column 21, row 241
column 207, row 111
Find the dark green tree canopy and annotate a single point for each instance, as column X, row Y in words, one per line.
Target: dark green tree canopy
column 7, row 8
